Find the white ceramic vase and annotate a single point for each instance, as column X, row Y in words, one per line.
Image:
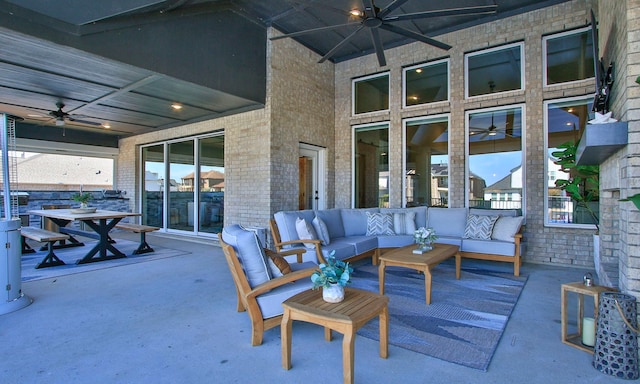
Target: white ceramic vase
column 333, row 294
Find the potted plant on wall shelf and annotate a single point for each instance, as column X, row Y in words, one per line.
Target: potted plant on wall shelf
column 583, row 186
column 332, row 277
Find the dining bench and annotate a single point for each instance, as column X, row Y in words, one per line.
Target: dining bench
column 142, row 230
column 43, row 236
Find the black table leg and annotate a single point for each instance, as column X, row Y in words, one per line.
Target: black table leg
column 99, row 252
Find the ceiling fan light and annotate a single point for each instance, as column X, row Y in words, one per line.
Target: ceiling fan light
column 59, row 122
column 492, row 133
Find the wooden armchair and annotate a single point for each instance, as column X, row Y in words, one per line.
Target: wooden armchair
column 280, row 245
column 262, row 300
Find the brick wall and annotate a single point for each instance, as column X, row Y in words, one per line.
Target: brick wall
column 544, row 245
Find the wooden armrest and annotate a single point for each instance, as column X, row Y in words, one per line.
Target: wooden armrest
column 290, row 242
column 298, row 252
column 278, row 281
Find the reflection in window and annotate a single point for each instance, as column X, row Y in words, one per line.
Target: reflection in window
column 371, row 166
column 153, row 189
column 568, row 56
column 371, row 94
column 565, row 121
column 494, row 70
column 426, row 83
column 427, row 162
column 495, row 175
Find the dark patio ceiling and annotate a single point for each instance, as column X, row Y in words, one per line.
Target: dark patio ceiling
column 124, row 62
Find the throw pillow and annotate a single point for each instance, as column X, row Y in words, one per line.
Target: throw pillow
column 506, row 227
column 404, row 223
column 479, row 227
column 306, row 232
column 279, row 265
column 321, row 230
column 379, row 224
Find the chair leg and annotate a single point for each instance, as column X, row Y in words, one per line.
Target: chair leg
column 257, row 330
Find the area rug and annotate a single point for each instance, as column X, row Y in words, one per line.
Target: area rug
column 466, row 317
column 71, row 255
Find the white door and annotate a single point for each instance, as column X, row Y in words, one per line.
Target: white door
column 311, row 177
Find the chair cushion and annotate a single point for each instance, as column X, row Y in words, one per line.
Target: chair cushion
column 506, row 227
column 270, row 303
column 306, row 232
column 448, row 222
column 479, row 227
column 404, row 223
column 278, row 265
column 250, row 252
column 321, row 230
column 379, row 224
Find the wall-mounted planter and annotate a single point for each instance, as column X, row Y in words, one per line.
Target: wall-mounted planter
column 600, row 141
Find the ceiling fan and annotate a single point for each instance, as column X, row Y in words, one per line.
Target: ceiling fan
column 61, row 117
column 493, row 130
column 373, row 19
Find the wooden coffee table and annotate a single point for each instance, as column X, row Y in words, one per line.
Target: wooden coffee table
column 404, row 257
column 346, row 317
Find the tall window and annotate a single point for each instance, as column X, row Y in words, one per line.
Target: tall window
column 495, row 158
column 184, row 184
column 426, row 83
column 565, row 121
column 499, row 69
column 568, row 56
column 371, row 93
column 371, row 165
column 426, row 179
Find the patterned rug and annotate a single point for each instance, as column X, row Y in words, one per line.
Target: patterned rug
column 71, row 255
column 465, row 320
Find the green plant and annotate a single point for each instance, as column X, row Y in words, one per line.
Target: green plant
column 583, row 185
column 333, row 272
column 635, row 199
column 82, row 198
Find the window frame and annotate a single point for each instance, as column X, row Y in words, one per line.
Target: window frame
column 519, row 44
column 523, row 146
column 434, row 118
column 545, row 124
column 546, row 38
column 369, row 77
column 446, row 61
column 354, row 128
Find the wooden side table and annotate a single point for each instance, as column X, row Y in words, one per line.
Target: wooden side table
column 346, row 317
column 575, row 339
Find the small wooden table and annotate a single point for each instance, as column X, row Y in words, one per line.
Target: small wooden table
column 346, row 317
column 404, row 257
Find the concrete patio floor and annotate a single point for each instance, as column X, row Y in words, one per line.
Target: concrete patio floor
column 174, row 321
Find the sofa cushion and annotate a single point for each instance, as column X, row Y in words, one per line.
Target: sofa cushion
column 333, row 219
column 355, row 220
column 479, row 227
column 379, row 224
column 343, row 249
column 404, row 223
column 361, row 244
column 421, row 214
column 395, row 241
column 321, row 230
column 306, row 232
column 250, row 252
column 270, row 303
column 494, row 247
column 506, row 228
column 286, row 221
column 449, row 222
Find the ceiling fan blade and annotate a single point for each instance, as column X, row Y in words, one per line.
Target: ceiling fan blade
column 87, row 122
column 391, row 7
column 320, row 29
column 340, row 44
column 377, row 44
column 466, row 11
column 414, row 35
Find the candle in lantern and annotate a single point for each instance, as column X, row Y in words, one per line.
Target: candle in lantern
column 588, row 331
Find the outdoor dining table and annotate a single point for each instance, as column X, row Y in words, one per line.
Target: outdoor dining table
column 100, row 221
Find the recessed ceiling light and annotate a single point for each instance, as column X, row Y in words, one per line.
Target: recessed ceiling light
column 176, row 106
column 355, row 12
column 419, row 70
column 106, row 125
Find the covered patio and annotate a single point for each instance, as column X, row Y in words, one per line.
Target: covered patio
column 174, row 321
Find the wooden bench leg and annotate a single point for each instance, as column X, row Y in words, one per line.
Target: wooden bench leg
column 50, row 260
column 143, row 247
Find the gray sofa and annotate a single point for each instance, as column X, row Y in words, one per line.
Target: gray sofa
column 484, row 234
